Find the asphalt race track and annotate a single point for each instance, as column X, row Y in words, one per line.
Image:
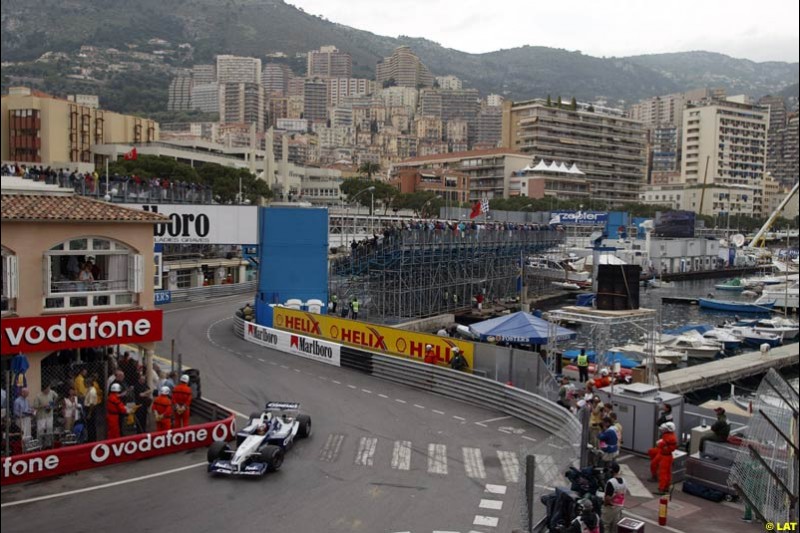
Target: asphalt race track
column 382, row 457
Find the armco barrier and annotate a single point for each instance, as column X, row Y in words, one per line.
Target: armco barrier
column 527, row 406
column 60, row 461
column 212, row 291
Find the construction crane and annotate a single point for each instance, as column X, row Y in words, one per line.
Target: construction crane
column 759, row 238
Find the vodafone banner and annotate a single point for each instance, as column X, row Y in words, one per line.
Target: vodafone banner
column 60, row 461
column 60, row 332
column 308, row 347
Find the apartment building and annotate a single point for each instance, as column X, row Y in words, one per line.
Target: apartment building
column 275, row 78
column 494, row 100
column 452, row 104
column 203, row 74
column 205, row 97
column 236, row 69
column 553, row 180
column 664, row 152
column 607, row 146
column 341, row 88
column 489, row 171
column 668, row 109
column 315, row 100
column 180, row 93
column 730, row 139
column 38, row 128
column 448, row 82
column 451, row 185
column 404, row 69
column 242, row 103
column 329, row 62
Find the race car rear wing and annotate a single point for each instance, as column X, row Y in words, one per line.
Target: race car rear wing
column 282, row 406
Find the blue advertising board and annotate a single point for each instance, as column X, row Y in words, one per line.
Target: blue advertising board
column 580, row 218
column 162, row 297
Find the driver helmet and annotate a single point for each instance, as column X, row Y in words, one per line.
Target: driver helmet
column 185, row 378
column 165, row 391
column 116, row 387
column 261, row 429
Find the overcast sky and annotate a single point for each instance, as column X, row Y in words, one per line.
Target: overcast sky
column 762, row 30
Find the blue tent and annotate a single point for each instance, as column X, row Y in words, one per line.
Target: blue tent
column 519, row 327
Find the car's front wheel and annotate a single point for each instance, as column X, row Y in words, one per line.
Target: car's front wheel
column 217, row 450
column 272, row 456
column 304, row 426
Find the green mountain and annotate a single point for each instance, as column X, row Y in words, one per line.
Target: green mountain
column 258, row 27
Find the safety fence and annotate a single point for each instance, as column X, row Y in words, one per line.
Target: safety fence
column 211, row 291
column 556, row 454
column 220, row 426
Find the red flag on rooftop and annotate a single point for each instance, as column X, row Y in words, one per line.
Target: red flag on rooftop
column 476, row 210
column 132, row 155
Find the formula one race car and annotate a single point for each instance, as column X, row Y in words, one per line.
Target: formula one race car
column 261, row 445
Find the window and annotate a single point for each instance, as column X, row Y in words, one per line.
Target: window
column 10, row 281
column 91, row 272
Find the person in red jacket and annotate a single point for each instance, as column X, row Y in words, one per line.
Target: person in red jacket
column 181, row 402
column 661, row 456
column 115, row 408
column 430, row 355
column 162, row 409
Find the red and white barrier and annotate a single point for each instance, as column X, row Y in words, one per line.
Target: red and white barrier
column 60, row 461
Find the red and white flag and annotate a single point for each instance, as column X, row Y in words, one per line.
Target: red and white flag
column 132, row 155
column 480, row 207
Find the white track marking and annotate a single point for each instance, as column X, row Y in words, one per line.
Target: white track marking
column 285, row 367
column 365, row 456
column 398, row 400
column 366, row 391
column 509, row 462
column 488, row 521
column 495, row 489
column 351, row 386
column 100, row 487
column 529, row 438
column 383, row 396
column 482, row 422
column 635, row 486
column 337, row 382
column 418, row 406
column 459, row 418
column 495, row 505
column 473, row 463
column 333, row 446
column 401, row 455
column 437, row 459
column 437, row 411
column 261, row 360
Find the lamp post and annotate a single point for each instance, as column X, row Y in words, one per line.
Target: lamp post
column 368, row 189
column 526, row 207
column 422, row 209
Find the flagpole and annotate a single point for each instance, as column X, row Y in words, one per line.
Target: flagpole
column 108, row 193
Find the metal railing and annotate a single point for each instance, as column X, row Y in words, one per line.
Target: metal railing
column 212, row 291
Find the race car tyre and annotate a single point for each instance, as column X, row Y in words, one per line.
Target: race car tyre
column 217, row 450
column 304, row 426
column 272, row 456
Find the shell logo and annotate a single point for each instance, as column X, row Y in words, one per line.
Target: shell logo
column 401, row 345
column 279, row 321
column 334, row 331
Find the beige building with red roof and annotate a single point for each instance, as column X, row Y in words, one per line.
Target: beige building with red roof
column 78, row 277
column 489, row 171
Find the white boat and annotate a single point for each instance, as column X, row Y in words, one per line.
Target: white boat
column 658, row 284
column 785, row 295
column 556, row 270
column 788, row 329
column 728, row 340
column 566, row 285
column 664, row 356
column 693, row 345
column 752, row 337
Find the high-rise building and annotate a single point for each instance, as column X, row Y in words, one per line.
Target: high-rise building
column 404, row 69
column 665, row 154
column 315, row 100
column 329, row 62
column 205, row 97
column 607, row 146
column 490, row 126
column 668, row 109
column 494, row 100
column 296, row 86
column 204, row 74
column 180, row 93
column 448, row 82
column 242, row 103
column 339, row 88
column 778, row 160
column 275, row 78
column 724, row 143
column 278, row 108
column 452, row 104
column 38, row 128
column 235, row 69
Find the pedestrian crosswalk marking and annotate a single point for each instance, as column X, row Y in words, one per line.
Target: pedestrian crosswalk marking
column 401, row 456
column 509, row 462
column 495, row 489
column 333, row 446
column 490, row 521
column 366, row 451
column 473, row 463
column 495, row 505
column 635, row 487
column 437, row 459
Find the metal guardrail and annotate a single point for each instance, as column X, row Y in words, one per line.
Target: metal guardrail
column 212, row 291
column 209, row 411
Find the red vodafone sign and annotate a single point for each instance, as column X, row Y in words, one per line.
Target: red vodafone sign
column 59, row 332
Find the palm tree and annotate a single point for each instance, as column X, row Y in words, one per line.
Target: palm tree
column 368, row 168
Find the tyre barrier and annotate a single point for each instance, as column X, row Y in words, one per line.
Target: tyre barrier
column 521, row 404
column 59, row 461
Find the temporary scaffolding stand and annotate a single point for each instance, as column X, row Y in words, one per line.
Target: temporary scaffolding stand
column 600, row 325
